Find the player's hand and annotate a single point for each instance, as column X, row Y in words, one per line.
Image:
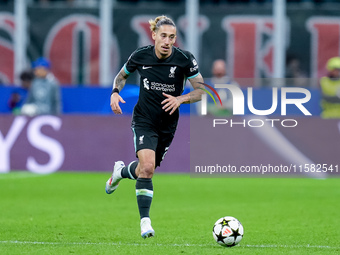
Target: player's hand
column 114, row 103
column 171, row 103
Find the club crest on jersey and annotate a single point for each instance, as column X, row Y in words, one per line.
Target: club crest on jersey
column 141, row 139
column 146, row 84
column 172, row 72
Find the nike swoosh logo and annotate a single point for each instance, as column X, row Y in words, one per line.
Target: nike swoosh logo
column 147, row 67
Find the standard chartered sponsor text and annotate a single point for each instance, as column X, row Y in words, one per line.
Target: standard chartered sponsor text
column 163, row 87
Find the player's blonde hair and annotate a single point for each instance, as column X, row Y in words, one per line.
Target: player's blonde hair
column 159, row 21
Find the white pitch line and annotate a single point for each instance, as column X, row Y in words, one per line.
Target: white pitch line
column 292, row 246
column 172, row 245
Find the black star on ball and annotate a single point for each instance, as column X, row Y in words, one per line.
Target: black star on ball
column 225, row 222
column 235, row 233
column 220, row 237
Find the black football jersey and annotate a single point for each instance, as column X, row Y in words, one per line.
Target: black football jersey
column 157, row 76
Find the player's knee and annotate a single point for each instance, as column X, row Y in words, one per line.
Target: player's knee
column 147, row 170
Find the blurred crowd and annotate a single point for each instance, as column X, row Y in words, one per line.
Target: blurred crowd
column 43, row 94
column 42, row 91
column 330, row 88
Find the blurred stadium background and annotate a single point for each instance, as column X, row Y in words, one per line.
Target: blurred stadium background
column 88, row 41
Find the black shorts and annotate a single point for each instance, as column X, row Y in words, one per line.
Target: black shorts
column 147, row 137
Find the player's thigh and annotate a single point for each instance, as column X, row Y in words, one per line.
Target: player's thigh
column 144, row 137
column 164, row 142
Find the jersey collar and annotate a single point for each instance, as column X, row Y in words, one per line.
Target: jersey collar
column 168, row 59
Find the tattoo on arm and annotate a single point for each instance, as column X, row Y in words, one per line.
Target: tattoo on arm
column 196, row 94
column 120, row 80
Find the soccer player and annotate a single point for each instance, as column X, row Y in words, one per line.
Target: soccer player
column 163, row 70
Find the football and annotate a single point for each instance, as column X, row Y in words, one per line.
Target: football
column 228, row 231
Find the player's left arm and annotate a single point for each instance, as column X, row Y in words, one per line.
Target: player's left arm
column 171, row 103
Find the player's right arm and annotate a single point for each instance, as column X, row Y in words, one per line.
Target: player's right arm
column 118, row 83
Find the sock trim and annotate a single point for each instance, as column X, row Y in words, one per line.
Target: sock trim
column 144, row 192
column 133, row 178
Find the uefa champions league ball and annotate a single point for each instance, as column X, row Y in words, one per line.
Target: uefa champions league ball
column 227, row 231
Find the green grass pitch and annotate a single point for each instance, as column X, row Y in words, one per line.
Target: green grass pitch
column 70, row 213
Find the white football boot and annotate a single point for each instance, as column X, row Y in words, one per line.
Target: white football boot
column 146, row 229
column 112, row 183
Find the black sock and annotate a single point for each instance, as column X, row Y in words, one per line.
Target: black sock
column 130, row 171
column 144, row 193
